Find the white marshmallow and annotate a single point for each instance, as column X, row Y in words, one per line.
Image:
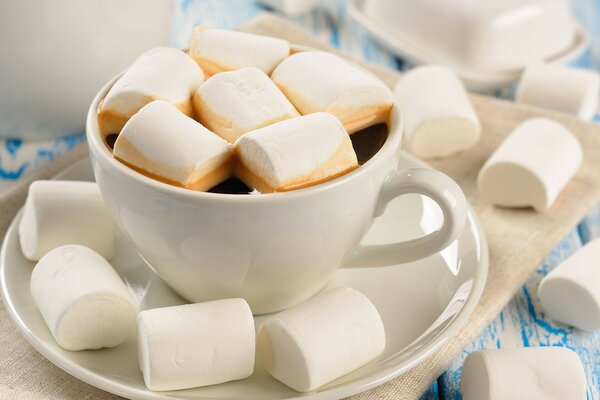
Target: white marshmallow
column 159, row 74
column 322, row 339
column 532, row 166
column 560, row 88
column 439, row 119
column 218, row 50
column 570, row 293
column 196, row 344
column 318, row 81
column 295, row 153
column 65, row 212
column 291, row 7
column 83, row 300
column 233, row 103
column 163, row 143
column 540, row 373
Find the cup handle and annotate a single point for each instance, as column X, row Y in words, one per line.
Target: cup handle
column 431, row 183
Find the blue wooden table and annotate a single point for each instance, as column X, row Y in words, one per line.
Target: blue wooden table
column 521, row 323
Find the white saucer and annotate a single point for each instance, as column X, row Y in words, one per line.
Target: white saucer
column 422, row 305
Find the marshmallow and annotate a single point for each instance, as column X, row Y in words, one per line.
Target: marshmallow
column 291, row 7
column 218, row 50
column 195, row 345
column 570, row 292
column 560, row 88
column 65, row 212
column 233, row 103
column 322, row 339
column 159, row 74
column 83, row 300
column 295, row 153
column 165, row 144
column 318, row 81
column 540, row 373
column 532, row 166
column 439, row 119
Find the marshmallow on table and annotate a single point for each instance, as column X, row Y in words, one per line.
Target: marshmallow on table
column 295, row 153
column 83, row 300
column 532, row 166
column 319, row 81
column 159, row 74
column 570, row 293
column 217, row 50
column 322, row 339
column 165, row 144
column 291, row 7
column 560, row 88
column 233, row 103
column 196, row 344
column 439, row 119
column 65, row 212
column 540, row 373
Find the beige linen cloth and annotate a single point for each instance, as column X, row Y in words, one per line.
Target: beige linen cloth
column 518, row 241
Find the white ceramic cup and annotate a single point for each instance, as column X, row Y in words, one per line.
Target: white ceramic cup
column 56, row 54
column 275, row 250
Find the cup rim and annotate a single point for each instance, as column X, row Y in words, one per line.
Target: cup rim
column 101, row 152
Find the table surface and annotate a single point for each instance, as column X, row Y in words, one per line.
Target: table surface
column 521, row 323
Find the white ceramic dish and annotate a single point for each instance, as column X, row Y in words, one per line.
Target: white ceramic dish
column 475, row 77
column 422, row 304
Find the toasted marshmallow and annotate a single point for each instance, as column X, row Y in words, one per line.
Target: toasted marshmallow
column 322, row 339
column 318, row 81
column 233, row 103
column 195, row 345
column 218, row 50
column 57, row 213
column 159, row 74
column 83, row 300
column 295, row 153
column 163, row 143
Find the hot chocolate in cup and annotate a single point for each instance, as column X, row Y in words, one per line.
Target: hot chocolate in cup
column 273, row 249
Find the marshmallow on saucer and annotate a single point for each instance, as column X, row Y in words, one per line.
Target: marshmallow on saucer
column 159, row 74
column 556, row 87
column 218, row 50
column 163, row 143
column 570, row 293
column 319, row 81
column 532, row 166
column 233, row 103
column 195, row 345
column 540, row 373
column 65, row 212
column 83, row 300
column 439, row 119
column 291, row 7
column 322, row 339
column 295, row 153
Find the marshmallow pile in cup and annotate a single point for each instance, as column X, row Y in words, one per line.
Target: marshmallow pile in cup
column 239, row 105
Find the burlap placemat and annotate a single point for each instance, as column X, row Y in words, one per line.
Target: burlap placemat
column 518, row 241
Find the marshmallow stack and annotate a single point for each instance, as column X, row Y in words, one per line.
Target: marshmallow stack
column 532, row 166
column 159, row 74
column 560, row 88
column 322, row 339
column 217, row 50
column 318, row 81
column 570, row 293
column 196, row 344
column 65, row 212
column 540, row 373
column 163, row 143
column 295, row 153
column 439, row 119
column 83, row 300
column 233, row 103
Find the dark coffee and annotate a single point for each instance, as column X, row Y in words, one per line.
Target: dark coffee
column 366, row 144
